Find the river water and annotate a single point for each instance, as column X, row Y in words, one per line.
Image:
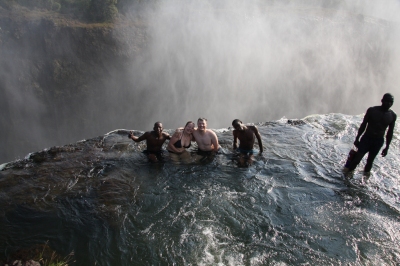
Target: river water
column 101, row 199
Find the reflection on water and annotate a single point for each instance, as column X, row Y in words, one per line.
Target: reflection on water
column 103, row 200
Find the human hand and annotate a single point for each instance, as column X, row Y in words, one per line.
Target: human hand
column 385, row 151
column 130, row 134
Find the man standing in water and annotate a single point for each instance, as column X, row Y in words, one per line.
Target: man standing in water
column 246, row 136
column 206, row 139
column 154, row 140
column 376, row 121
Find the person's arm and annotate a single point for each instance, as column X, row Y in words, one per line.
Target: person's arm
column 389, row 136
column 214, row 141
column 166, row 135
column 258, row 136
column 194, row 132
column 362, row 128
column 138, row 139
column 235, row 138
column 174, row 138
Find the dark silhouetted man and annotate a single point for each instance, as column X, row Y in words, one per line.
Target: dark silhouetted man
column 373, row 128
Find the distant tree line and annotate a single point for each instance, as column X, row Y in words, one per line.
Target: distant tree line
column 89, row 10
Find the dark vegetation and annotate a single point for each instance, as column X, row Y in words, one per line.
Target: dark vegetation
column 84, row 10
column 57, row 70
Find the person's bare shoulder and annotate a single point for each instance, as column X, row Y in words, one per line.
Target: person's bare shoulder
column 211, row 132
column 195, row 132
column 147, row 134
column 394, row 114
column 177, row 133
column 253, row 128
column 166, row 135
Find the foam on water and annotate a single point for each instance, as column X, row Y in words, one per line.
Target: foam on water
column 101, row 198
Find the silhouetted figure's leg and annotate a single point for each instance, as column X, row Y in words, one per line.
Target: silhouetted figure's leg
column 376, row 146
column 363, row 148
column 370, row 160
column 357, row 159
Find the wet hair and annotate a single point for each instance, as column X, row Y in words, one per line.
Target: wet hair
column 189, row 122
column 158, row 122
column 201, row 119
column 388, row 96
column 236, row 121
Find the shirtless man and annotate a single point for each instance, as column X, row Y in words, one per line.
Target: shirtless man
column 206, row 139
column 154, row 140
column 376, row 120
column 246, row 136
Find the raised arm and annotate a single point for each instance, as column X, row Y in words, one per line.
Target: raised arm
column 138, row 139
column 389, row 136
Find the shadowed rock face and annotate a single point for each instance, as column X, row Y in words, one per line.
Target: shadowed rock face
column 50, row 69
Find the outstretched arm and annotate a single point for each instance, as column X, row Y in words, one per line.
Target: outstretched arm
column 389, row 136
column 138, row 139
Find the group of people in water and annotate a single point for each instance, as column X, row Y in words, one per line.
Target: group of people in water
column 206, row 140
column 371, row 131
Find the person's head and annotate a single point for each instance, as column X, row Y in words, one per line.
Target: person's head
column 237, row 124
column 189, row 127
column 158, row 127
column 387, row 101
column 202, row 124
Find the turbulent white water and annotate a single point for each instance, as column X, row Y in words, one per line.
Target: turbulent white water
column 103, row 200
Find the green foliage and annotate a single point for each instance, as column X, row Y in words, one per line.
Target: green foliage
column 89, row 10
column 56, row 6
column 102, row 10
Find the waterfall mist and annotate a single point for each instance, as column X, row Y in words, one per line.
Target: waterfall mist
column 259, row 61
column 252, row 60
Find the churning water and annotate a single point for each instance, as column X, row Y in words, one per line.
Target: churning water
column 101, row 199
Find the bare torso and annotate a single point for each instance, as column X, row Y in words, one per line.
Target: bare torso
column 246, row 138
column 154, row 141
column 206, row 140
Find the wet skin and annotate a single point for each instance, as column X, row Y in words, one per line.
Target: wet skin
column 154, row 140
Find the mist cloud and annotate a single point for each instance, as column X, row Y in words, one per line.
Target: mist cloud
column 261, row 60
